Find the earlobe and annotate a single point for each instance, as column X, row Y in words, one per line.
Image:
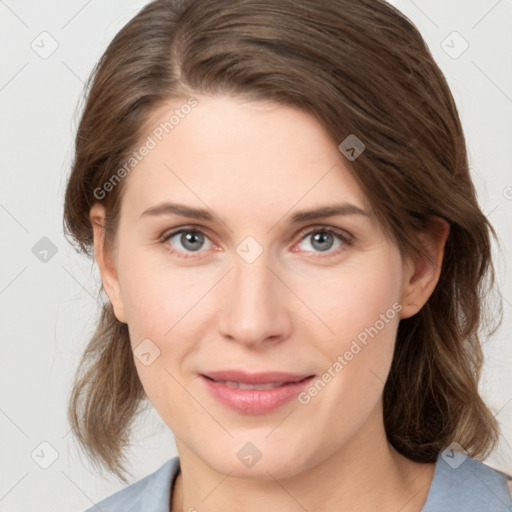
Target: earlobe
column 424, row 269
column 105, row 261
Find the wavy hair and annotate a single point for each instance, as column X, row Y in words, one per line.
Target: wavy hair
column 359, row 67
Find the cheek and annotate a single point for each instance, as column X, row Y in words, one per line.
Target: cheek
column 362, row 307
column 165, row 306
column 353, row 297
column 154, row 295
column 157, row 313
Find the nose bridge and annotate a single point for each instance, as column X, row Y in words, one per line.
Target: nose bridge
column 254, row 308
column 253, row 281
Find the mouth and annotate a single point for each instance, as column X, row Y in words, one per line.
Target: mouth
column 254, row 393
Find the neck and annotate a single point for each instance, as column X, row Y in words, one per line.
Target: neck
column 366, row 473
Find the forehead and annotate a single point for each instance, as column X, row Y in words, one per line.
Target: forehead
column 227, row 153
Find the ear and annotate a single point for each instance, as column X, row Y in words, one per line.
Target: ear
column 423, row 270
column 105, row 260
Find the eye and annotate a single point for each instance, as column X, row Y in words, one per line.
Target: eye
column 325, row 239
column 190, row 239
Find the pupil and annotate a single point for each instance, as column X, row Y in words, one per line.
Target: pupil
column 188, row 240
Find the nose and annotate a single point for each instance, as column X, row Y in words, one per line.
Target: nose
column 254, row 305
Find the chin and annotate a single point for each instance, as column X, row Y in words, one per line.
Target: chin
column 256, row 460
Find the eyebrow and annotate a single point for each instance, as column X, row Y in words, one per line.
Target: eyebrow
column 301, row 216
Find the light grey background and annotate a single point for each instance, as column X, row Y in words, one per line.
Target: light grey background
column 48, row 308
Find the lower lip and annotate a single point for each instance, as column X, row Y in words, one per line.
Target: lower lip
column 255, row 401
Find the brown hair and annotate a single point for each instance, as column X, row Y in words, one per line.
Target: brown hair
column 360, row 67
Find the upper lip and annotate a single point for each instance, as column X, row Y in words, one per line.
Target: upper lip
column 255, row 378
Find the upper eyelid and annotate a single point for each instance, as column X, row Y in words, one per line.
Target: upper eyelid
column 173, row 232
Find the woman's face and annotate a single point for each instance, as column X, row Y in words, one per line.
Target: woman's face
column 251, row 288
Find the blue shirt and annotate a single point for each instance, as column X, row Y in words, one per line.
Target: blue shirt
column 467, row 486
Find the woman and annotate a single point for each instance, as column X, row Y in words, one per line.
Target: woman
column 318, row 348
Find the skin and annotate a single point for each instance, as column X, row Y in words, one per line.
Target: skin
column 296, row 308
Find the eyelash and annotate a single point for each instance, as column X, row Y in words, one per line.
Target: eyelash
column 345, row 238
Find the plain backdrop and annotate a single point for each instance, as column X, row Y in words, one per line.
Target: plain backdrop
column 49, row 293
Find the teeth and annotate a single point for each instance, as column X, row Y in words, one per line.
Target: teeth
column 243, row 385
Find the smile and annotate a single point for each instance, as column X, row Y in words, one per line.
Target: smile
column 252, row 399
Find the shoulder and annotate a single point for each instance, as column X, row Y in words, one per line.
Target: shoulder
column 462, row 483
column 150, row 494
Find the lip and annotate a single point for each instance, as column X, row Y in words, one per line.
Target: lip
column 255, row 401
